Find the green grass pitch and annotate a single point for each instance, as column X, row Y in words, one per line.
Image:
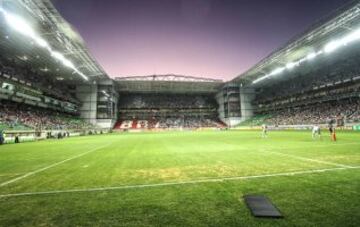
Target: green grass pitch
column 181, row 179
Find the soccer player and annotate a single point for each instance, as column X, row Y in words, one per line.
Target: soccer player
column 331, row 129
column 316, row 132
column 333, row 134
column 264, row 131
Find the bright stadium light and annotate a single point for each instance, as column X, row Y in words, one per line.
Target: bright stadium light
column 354, row 36
column 311, row 56
column 277, row 71
column 68, row 63
column 81, row 74
column 58, row 56
column 41, row 42
column 291, row 65
column 328, row 48
column 332, row 46
column 260, row 79
column 20, row 25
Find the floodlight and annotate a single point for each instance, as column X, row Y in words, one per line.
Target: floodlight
column 311, row 56
column 291, row 65
column 329, row 47
column 260, row 79
column 277, row 71
column 58, row 55
column 68, row 63
column 351, row 37
column 19, row 24
column 41, row 42
column 332, row 46
column 81, row 74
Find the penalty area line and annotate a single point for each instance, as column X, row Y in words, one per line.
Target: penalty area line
column 207, row 180
column 50, row 166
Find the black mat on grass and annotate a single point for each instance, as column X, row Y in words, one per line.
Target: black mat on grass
column 261, row 206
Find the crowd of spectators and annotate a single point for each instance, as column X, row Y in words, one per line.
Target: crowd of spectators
column 22, row 116
column 170, row 110
column 329, row 93
column 167, row 101
column 170, row 123
column 320, row 113
column 331, row 79
column 188, row 122
column 49, row 85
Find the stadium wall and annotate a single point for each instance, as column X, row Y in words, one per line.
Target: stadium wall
column 98, row 103
column 107, row 108
column 247, row 96
column 87, row 95
column 235, row 104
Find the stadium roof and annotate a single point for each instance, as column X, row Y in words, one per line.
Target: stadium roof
column 169, row 77
column 34, row 32
column 168, row 84
column 339, row 29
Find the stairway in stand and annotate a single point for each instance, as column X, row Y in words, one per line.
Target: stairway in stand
column 118, row 124
column 134, row 124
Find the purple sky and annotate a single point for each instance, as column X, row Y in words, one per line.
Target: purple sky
column 207, row 38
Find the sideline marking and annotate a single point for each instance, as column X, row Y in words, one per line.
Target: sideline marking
column 50, row 166
column 209, row 180
column 324, row 145
column 308, row 159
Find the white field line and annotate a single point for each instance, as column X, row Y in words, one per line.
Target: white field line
column 327, row 145
column 308, row 159
column 301, row 147
column 10, row 174
column 209, row 180
column 50, row 166
column 337, row 143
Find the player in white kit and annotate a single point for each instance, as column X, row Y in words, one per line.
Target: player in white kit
column 264, row 131
column 316, row 132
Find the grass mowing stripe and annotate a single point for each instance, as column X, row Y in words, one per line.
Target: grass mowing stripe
column 308, row 159
column 208, row 180
column 50, row 166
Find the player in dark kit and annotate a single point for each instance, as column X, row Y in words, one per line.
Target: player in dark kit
column 332, row 132
column 331, row 129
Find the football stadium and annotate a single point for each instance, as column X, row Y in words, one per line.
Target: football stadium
column 277, row 145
